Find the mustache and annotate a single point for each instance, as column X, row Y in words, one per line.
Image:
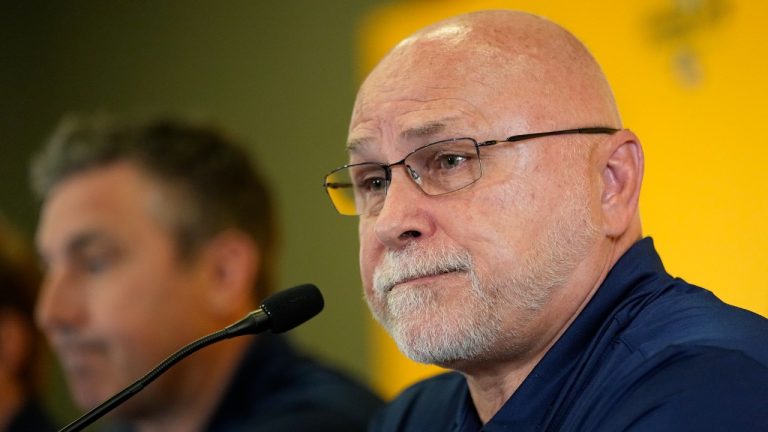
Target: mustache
column 69, row 342
column 414, row 262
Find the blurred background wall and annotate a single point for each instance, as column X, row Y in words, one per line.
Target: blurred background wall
column 689, row 77
column 279, row 74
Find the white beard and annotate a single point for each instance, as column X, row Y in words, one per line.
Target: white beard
column 486, row 320
column 423, row 327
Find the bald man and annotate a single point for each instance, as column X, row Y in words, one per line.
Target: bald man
column 497, row 194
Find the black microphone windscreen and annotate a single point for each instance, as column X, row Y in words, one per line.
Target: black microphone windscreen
column 291, row 307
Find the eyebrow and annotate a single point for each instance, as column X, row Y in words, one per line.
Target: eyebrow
column 424, row 131
column 83, row 240
column 74, row 246
column 354, row 146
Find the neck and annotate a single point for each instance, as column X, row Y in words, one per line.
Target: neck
column 492, row 383
column 198, row 396
column 492, row 386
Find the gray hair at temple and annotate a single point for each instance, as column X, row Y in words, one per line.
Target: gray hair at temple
column 209, row 181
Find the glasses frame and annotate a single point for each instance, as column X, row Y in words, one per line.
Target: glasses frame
column 514, row 138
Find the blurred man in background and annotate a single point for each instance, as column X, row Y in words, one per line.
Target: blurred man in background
column 20, row 409
column 500, row 237
column 152, row 235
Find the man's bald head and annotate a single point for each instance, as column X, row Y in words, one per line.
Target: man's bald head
column 529, row 71
column 530, row 238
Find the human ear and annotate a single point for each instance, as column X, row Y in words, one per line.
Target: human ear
column 622, row 165
column 232, row 268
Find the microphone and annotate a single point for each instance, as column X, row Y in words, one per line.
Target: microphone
column 279, row 312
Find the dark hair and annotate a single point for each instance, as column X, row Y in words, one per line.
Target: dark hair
column 212, row 183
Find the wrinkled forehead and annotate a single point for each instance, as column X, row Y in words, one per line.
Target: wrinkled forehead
column 422, row 95
column 425, row 68
column 483, row 84
column 386, row 130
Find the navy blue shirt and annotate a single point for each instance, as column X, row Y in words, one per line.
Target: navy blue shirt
column 648, row 353
column 277, row 390
column 31, row 418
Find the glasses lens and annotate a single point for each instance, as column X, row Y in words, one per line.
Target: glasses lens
column 438, row 168
column 339, row 188
column 445, row 166
column 357, row 189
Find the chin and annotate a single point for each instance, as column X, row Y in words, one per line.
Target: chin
column 447, row 343
column 86, row 399
column 89, row 392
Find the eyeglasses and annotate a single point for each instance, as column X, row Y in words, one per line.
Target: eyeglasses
column 437, row 168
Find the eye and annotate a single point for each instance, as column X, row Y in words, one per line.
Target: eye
column 450, row 161
column 444, row 157
column 373, row 184
column 94, row 264
column 368, row 179
column 95, row 261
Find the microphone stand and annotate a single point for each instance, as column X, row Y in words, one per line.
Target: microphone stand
column 255, row 322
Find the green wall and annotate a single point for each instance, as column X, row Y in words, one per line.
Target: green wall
column 279, row 74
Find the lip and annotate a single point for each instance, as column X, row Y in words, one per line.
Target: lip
column 75, row 356
column 424, row 280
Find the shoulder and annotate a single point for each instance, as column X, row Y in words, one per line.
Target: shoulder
column 681, row 314
column 675, row 357
column 698, row 363
column 430, row 405
column 651, row 310
column 278, row 389
column 690, row 389
column 317, row 396
column 313, row 383
column 32, row 417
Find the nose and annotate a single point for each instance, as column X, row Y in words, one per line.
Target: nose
column 404, row 216
column 59, row 306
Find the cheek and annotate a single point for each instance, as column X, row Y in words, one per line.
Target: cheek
column 370, row 254
column 498, row 224
column 494, row 213
column 146, row 321
column 118, row 310
column 367, row 264
column 133, row 299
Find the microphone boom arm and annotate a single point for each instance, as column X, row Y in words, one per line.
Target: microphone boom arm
column 279, row 312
